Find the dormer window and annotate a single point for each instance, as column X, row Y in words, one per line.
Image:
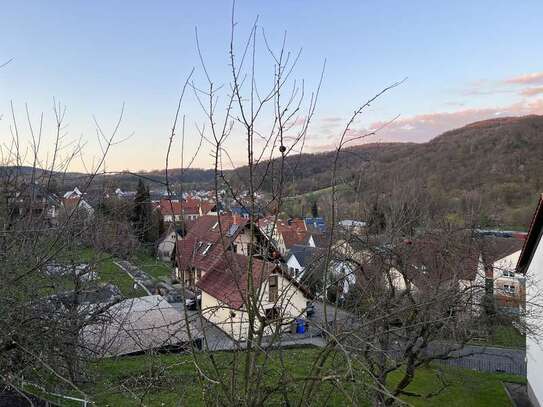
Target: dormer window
column 206, row 249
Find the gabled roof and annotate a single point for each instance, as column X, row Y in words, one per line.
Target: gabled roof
column 206, row 231
column 321, row 240
column 496, row 248
column 532, row 240
column 227, row 280
column 76, row 203
column 190, row 206
column 305, row 255
column 74, row 193
column 293, row 237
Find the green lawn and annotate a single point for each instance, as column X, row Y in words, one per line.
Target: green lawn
column 464, row 388
column 120, row 382
column 108, row 272
column 504, row 336
column 153, row 267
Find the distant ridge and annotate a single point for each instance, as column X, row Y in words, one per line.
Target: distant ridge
column 497, row 160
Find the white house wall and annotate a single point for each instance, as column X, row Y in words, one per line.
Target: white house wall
column 534, row 341
column 291, row 303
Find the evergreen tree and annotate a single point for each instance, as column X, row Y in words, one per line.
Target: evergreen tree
column 142, row 212
column 314, row 210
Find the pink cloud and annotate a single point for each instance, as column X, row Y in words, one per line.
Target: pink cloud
column 424, row 127
column 532, row 91
column 527, row 79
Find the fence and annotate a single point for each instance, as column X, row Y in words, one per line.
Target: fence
column 53, row 399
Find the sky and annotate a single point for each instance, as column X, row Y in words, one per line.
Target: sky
column 464, row 61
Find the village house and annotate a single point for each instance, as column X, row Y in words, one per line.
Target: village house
column 74, row 201
column 499, row 257
column 166, row 243
column 209, row 235
column 189, row 209
column 301, row 257
column 284, row 234
column 483, row 265
column 33, row 200
column 530, row 264
column 281, row 300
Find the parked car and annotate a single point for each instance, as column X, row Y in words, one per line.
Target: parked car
column 194, row 304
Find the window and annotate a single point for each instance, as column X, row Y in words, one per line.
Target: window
column 235, row 248
column 206, row 249
column 291, row 269
column 192, row 274
column 507, row 273
column 296, row 272
column 272, row 289
column 271, row 314
column 510, row 289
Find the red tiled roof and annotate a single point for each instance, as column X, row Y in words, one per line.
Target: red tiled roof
column 190, row 206
column 496, row 248
column 206, row 207
column 203, row 231
column 292, row 237
column 293, row 230
column 227, row 280
column 168, row 207
column 71, row 203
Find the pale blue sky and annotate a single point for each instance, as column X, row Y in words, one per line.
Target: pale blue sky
column 95, row 55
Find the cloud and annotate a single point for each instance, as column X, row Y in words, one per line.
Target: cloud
column 421, row 128
column 534, row 78
column 532, row 91
column 485, row 87
column 332, row 119
column 424, row 127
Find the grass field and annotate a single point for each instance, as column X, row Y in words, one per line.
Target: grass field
column 150, row 265
column 107, row 271
column 504, row 336
column 121, row 382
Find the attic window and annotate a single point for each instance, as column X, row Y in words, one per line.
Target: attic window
column 272, row 288
column 206, row 249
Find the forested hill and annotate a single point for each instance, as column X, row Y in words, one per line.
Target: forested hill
column 498, row 162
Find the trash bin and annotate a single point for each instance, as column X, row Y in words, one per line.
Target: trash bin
column 300, row 326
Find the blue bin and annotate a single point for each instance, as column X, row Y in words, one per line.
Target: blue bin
column 300, row 326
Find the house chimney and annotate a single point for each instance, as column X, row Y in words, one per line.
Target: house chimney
column 235, row 219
